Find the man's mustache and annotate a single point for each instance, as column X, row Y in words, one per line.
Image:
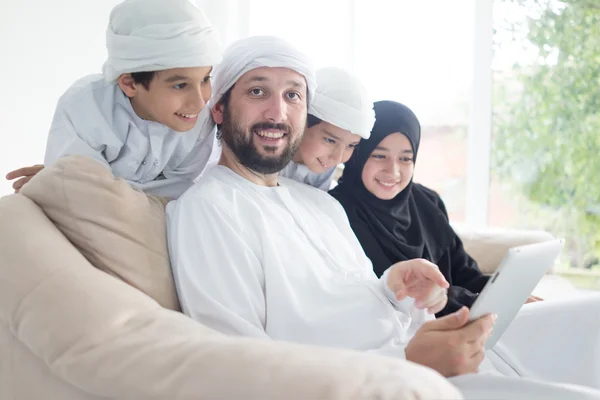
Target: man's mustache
column 263, row 126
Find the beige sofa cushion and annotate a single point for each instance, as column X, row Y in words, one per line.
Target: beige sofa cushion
column 101, row 336
column 120, row 230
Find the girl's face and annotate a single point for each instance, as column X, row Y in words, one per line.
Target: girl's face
column 390, row 167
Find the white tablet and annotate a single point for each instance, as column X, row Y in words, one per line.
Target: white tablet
column 511, row 285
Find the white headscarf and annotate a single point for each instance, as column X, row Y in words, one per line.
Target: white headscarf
column 343, row 101
column 153, row 35
column 255, row 52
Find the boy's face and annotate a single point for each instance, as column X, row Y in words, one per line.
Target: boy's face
column 174, row 97
column 325, row 146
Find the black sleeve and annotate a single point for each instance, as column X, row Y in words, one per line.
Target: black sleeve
column 372, row 249
column 466, row 279
column 465, row 271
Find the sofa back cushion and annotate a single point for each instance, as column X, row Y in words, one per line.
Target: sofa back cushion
column 120, row 230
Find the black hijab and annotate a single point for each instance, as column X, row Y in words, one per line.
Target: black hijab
column 411, row 225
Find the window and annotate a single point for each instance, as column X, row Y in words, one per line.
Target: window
column 545, row 171
column 401, row 55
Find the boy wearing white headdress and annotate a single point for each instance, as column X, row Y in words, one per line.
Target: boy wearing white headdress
column 340, row 114
column 139, row 117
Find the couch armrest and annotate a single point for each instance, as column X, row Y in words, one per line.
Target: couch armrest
column 489, row 245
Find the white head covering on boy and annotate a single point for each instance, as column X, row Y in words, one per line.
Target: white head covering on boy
column 343, row 101
column 154, row 35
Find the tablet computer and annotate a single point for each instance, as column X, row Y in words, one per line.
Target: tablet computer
column 511, row 285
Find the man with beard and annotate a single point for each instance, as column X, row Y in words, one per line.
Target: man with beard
column 257, row 255
column 244, row 223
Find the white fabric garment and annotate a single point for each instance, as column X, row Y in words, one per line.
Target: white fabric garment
column 555, row 341
column 154, row 35
column 94, row 118
column 553, row 346
column 282, row 263
column 256, row 52
column 292, row 242
column 301, row 173
column 487, row 387
column 343, row 101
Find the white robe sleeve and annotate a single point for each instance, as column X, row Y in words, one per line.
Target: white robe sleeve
column 199, row 156
column 68, row 137
column 386, row 288
column 170, row 188
column 219, row 279
column 405, row 306
column 64, row 140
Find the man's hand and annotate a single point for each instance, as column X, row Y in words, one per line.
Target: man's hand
column 421, row 280
column 25, row 173
column 533, row 299
column 449, row 345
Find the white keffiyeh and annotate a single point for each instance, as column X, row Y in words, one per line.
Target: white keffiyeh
column 343, row 101
column 153, row 35
column 256, row 52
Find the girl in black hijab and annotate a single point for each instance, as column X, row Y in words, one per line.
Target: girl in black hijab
column 396, row 219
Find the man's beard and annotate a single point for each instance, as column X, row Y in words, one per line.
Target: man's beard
column 241, row 143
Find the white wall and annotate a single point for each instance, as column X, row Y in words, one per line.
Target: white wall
column 44, row 47
column 229, row 17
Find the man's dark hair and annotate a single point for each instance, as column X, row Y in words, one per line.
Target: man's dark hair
column 143, row 78
column 311, row 121
column 225, row 103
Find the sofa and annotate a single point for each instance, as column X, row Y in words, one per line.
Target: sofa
column 88, row 310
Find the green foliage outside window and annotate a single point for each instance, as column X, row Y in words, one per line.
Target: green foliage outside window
column 547, row 122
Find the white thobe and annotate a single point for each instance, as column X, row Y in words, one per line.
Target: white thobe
column 95, row 119
column 301, row 173
column 283, row 263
